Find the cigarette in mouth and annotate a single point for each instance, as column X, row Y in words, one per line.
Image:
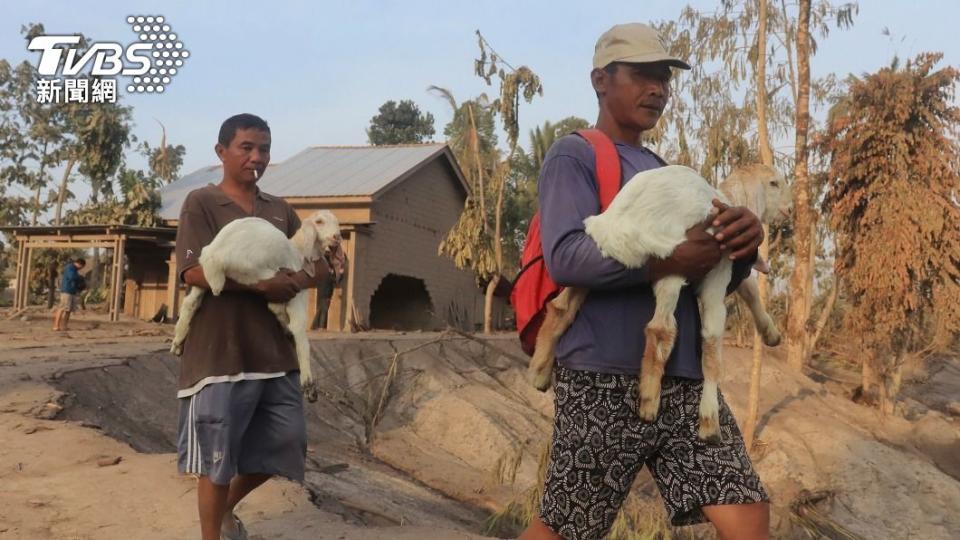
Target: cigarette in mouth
column 256, row 174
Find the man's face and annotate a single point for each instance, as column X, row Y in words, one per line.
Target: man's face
column 634, row 94
column 79, row 265
column 249, row 151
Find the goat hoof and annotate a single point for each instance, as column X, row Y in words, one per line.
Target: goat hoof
column 648, row 410
column 712, row 440
column 542, row 381
column 709, row 431
column 177, row 349
column 310, row 391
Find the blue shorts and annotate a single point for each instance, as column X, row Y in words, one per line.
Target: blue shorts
column 243, row 427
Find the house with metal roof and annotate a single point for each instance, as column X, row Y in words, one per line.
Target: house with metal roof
column 395, row 205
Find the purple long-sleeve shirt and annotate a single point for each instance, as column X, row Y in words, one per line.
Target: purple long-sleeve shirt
column 607, row 334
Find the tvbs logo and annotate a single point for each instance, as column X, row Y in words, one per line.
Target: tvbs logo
column 150, row 63
column 107, row 57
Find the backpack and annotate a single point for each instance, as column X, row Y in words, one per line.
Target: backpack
column 533, row 288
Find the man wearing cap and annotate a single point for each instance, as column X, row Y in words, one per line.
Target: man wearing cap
column 599, row 442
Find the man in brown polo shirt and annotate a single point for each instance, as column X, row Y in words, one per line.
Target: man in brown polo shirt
column 241, row 410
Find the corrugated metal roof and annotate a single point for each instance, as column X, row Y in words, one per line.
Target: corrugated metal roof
column 54, row 230
column 173, row 195
column 319, row 171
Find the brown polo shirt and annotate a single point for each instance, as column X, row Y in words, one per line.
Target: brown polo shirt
column 233, row 334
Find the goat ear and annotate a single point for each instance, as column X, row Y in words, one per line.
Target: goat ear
column 738, row 193
column 761, row 266
column 309, row 229
column 759, row 202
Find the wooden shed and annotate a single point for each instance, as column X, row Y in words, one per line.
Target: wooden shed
column 137, row 280
column 395, row 204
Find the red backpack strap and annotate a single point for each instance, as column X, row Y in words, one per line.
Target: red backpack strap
column 607, row 165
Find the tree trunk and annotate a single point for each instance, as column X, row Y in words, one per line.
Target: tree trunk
column 475, row 146
column 868, row 374
column 501, row 177
column 766, row 153
column 62, row 195
column 766, row 157
column 95, row 279
column 793, row 72
column 738, row 309
column 51, row 284
column 824, row 318
column 753, row 405
column 890, row 384
column 801, row 281
column 488, row 305
column 36, row 198
column 36, row 207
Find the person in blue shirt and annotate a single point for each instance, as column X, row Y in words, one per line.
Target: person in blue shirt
column 600, row 443
column 70, row 285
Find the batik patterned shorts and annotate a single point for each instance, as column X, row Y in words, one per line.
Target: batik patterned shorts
column 600, row 444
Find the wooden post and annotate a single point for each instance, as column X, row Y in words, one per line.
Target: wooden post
column 119, row 246
column 336, row 310
column 111, row 280
column 18, row 291
column 350, row 312
column 26, row 277
column 120, row 256
column 173, row 287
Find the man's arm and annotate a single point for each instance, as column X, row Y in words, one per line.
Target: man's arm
column 282, row 287
column 322, row 273
column 739, row 230
column 567, row 196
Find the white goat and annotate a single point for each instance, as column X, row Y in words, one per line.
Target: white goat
column 251, row 249
column 649, row 218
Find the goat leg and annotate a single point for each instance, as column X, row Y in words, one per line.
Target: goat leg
column 661, row 333
column 750, row 293
column 293, row 317
column 709, row 428
column 280, row 311
column 559, row 315
column 190, row 304
column 712, row 291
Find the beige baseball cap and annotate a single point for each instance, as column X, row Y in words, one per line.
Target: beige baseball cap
column 635, row 43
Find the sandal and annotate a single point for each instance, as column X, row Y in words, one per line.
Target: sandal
column 239, row 534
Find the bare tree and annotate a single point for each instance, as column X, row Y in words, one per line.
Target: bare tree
column 472, row 243
column 766, row 157
column 801, row 281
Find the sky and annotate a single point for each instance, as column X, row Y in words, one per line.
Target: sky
column 318, row 71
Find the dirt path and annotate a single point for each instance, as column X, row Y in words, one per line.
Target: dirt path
column 416, row 434
column 66, row 479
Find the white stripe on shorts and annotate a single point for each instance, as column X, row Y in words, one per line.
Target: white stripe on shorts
column 194, row 463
